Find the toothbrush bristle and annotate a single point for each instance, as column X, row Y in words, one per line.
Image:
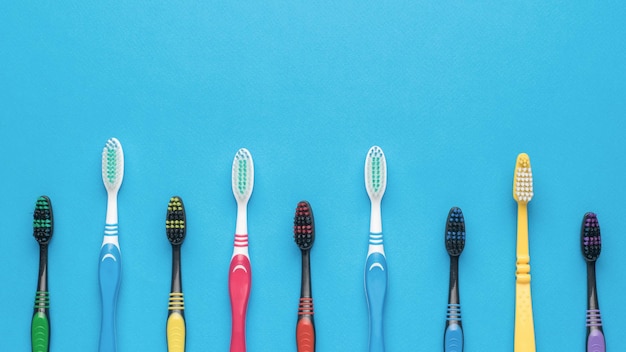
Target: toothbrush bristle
column 455, row 232
column 243, row 174
column 112, row 164
column 175, row 226
column 375, row 172
column 523, row 179
column 42, row 220
column 591, row 241
column 304, row 226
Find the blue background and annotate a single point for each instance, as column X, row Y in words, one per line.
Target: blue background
column 452, row 91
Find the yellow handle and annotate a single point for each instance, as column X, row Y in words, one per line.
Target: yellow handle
column 175, row 333
column 524, row 326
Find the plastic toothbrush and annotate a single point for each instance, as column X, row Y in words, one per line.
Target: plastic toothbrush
column 591, row 246
column 43, row 227
column 455, row 243
column 304, row 236
column 376, row 263
column 110, row 258
column 176, row 229
column 524, row 340
column 239, row 274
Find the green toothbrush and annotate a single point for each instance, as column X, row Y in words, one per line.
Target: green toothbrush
column 42, row 231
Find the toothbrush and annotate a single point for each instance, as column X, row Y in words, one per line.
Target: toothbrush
column 110, row 258
column 591, row 245
column 175, row 229
column 522, row 193
column 240, row 275
column 42, row 231
column 376, row 263
column 304, row 235
column 455, row 242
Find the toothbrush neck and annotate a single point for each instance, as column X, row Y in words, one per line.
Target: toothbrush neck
column 376, row 225
column 305, row 290
column 111, row 208
column 242, row 219
column 522, row 231
column 591, row 287
column 42, row 284
column 453, row 295
column 177, row 285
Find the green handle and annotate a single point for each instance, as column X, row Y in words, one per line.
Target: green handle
column 40, row 332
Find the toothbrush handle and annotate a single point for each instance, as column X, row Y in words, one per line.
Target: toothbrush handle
column 176, row 323
column 110, row 270
column 375, row 289
column 239, row 282
column 453, row 338
column 305, row 328
column 595, row 335
column 40, row 326
column 524, row 328
column 595, row 340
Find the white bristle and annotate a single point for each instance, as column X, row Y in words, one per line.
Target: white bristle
column 523, row 185
column 112, row 165
column 243, row 175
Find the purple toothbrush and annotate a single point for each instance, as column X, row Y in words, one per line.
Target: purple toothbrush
column 591, row 245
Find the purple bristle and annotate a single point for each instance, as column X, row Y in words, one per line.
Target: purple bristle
column 591, row 244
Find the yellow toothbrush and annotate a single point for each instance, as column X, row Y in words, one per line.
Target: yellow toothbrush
column 523, row 193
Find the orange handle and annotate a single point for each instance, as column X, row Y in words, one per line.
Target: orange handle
column 305, row 335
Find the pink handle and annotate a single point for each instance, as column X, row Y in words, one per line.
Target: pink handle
column 239, row 282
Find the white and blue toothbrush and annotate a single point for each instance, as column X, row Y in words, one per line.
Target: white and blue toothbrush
column 110, row 258
column 376, row 263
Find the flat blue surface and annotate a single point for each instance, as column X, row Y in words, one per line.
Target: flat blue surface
column 452, row 91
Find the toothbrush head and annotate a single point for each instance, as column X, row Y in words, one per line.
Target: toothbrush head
column 523, row 180
column 304, row 226
column 42, row 220
column 375, row 173
column 243, row 175
column 590, row 240
column 455, row 232
column 175, row 226
column 112, row 165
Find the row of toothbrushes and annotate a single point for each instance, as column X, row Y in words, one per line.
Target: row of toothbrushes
column 304, row 235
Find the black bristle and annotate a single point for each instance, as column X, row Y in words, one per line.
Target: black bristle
column 590, row 239
column 175, row 223
column 304, row 226
column 43, row 220
column 455, row 232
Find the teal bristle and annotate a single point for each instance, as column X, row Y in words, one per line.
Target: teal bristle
column 43, row 220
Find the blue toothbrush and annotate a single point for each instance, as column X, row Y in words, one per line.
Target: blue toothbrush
column 110, row 258
column 376, row 263
column 455, row 242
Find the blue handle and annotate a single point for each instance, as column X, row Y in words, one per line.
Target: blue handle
column 453, row 338
column 375, row 289
column 110, row 270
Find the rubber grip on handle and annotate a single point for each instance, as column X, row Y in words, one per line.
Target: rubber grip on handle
column 595, row 341
column 110, row 272
column 40, row 332
column 375, row 289
column 524, row 326
column 239, row 282
column 176, row 333
column 305, row 335
column 453, row 338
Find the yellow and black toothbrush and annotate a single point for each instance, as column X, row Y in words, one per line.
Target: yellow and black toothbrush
column 175, row 228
